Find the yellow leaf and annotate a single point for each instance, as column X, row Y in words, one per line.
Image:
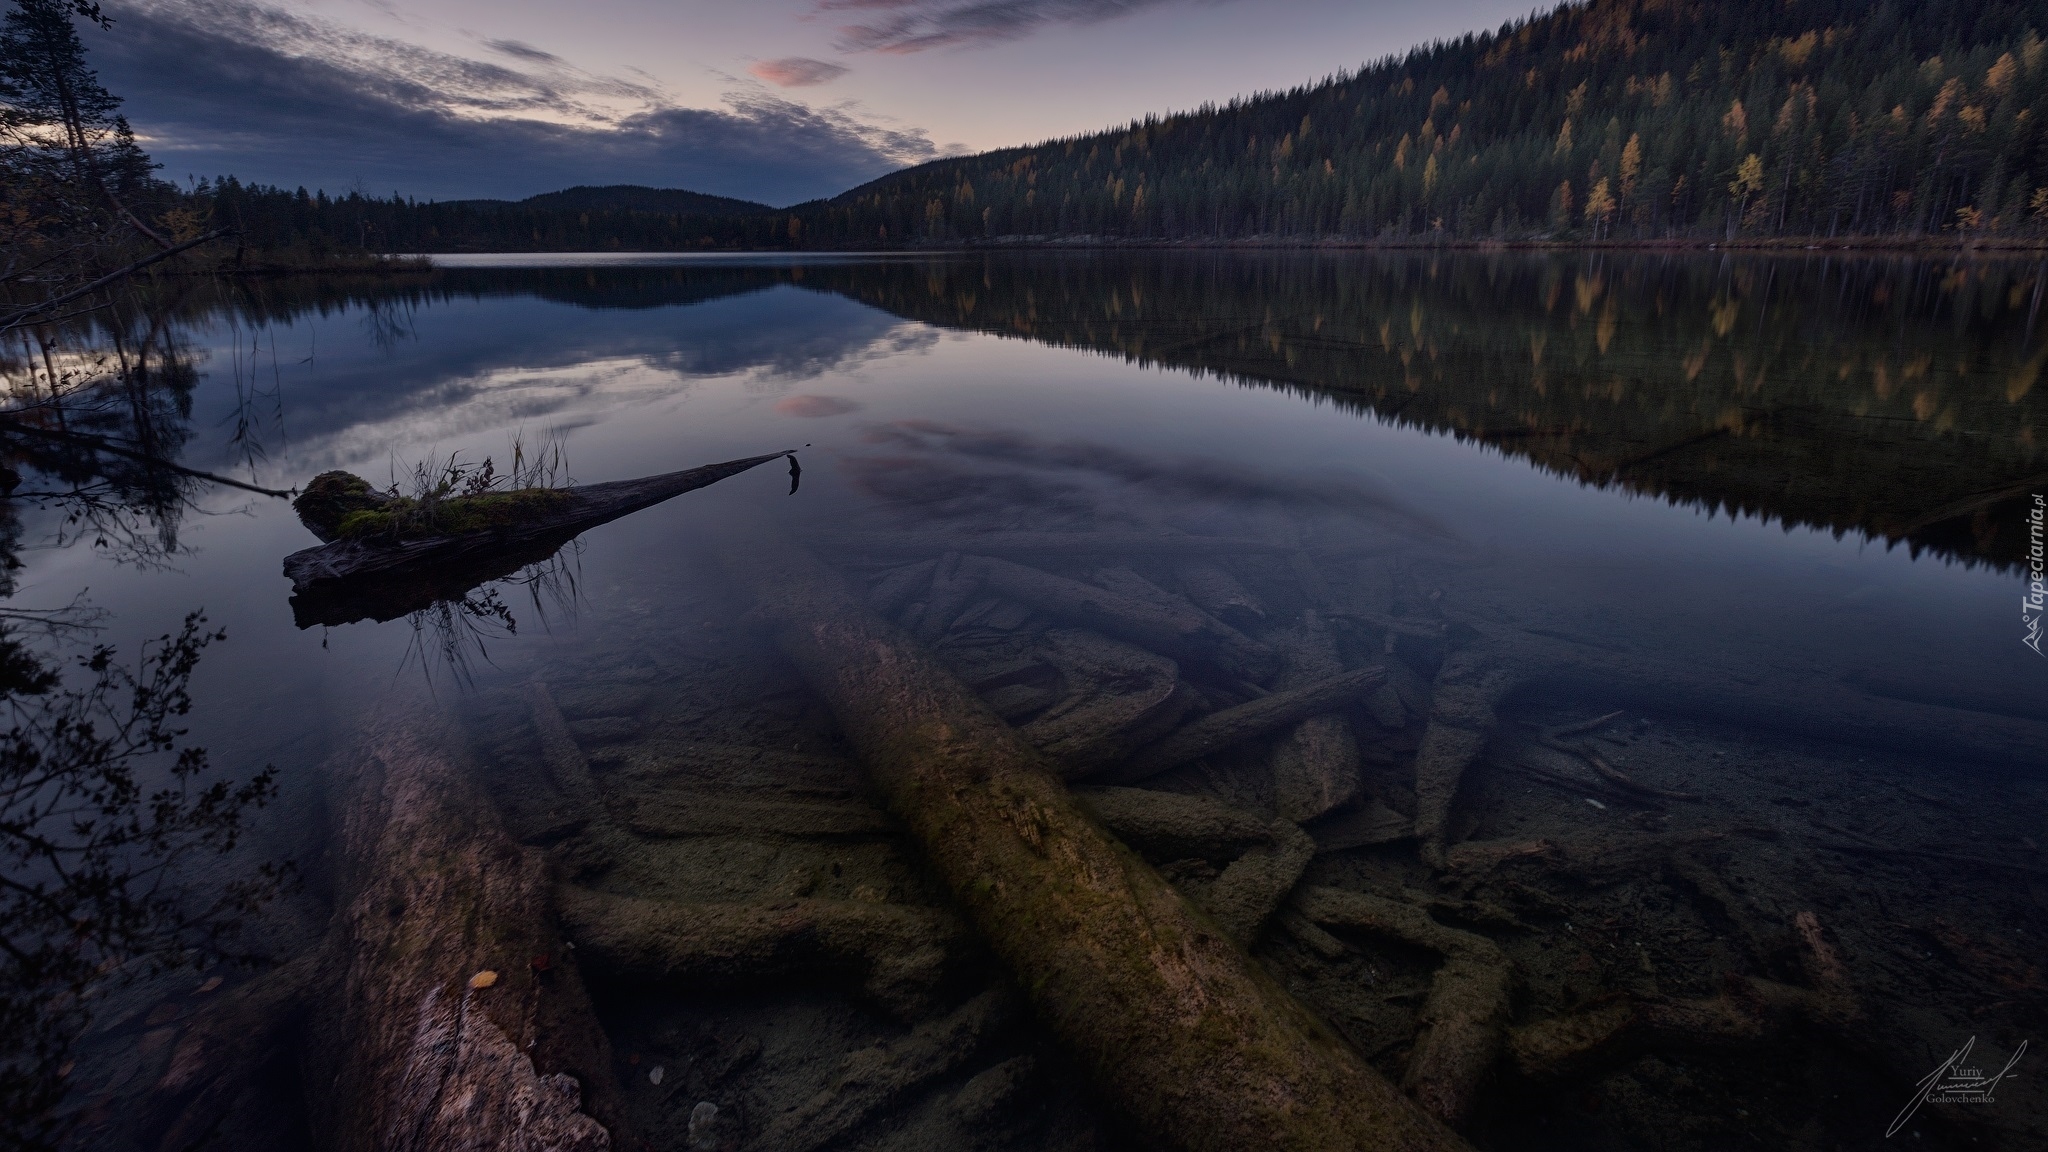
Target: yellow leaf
column 483, row 979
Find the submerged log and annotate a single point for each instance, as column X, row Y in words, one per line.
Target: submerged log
column 896, row 954
column 1179, row 1028
column 1466, row 1014
column 555, row 520
column 1118, row 698
column 1315, row 765
column 1245, row 721
column 1179, row 631
column 1462, row 717
column 441, row 1011
column 453, row 1017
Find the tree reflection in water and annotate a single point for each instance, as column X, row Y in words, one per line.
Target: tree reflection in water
column 104, row 804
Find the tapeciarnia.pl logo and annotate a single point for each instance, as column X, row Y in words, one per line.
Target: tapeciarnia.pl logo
column 2035, row 602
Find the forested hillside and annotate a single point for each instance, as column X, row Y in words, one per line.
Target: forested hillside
column 1615, row 118
column 1612, row 120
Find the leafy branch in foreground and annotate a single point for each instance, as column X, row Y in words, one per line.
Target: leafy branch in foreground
column 101, row 803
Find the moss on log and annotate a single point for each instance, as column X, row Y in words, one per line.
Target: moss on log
column 1178, row 1028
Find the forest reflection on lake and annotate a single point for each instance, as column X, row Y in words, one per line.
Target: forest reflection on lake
column 1771, row 508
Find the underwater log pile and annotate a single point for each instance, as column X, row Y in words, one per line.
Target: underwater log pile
column 1113, row 837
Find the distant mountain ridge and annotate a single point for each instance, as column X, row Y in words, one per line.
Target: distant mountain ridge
column 628, row 198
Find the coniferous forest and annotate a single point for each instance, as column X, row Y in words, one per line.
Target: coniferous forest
column 1613, row 120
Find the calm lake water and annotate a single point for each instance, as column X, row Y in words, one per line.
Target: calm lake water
column 1772, row 509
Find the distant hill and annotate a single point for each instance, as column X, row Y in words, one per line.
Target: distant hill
column 1606, row 119
column 631, row 198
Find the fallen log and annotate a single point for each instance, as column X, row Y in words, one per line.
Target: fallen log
column 1179, row 1029
column 1462, row 717
column 874, row 1078
column 1252, row 718
column 897, row 955
column 441, row 1011
column 1267, row 857
column 453, row 1016
column 1315, row 765
column 1466, row 1014
column 1185, row 634
column 1118, row 698
column 528, row 517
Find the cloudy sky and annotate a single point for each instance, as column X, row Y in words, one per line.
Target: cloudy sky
column 770, row 100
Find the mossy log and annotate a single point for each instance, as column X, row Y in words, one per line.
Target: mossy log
column 1466, row 1014
column 895, row 954
column 1244, row 722
column 1215, row 591
column 516, row 523
column 1178, row 1028
column 1180, row 631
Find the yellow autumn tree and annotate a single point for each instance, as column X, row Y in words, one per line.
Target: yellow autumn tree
column 1749, row 180
column 1599, row 207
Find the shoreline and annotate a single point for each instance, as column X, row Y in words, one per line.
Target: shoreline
column 420, row 262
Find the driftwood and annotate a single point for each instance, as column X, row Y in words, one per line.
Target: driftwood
column 573, row 511
column 1245, row 721
column 1177, row 1027
column 1467, row 1011
column 1181, row 632
column 1315, row 765
column 896, row 954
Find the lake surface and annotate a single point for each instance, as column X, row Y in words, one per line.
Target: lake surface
column 1772, row 509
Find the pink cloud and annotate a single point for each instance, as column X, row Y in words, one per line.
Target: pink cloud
column 797, row 72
